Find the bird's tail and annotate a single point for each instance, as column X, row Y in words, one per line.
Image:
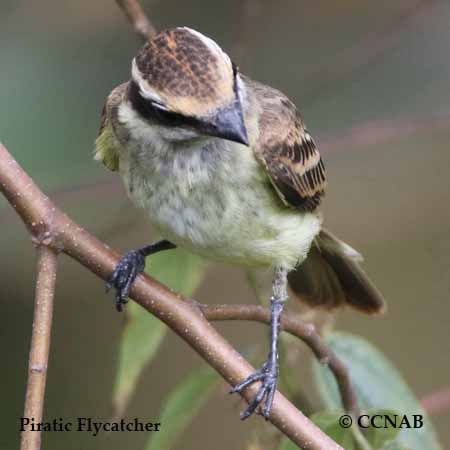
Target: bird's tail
column 331, row 277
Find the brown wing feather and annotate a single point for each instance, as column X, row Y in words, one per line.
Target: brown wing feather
column 331, row 276
column 107, row 144
column 288, row 152
column 297, row 172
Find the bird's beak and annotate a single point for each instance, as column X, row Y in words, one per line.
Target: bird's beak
column 229, row 124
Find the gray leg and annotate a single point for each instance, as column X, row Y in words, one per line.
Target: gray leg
column 268, row 373
column 129, row 267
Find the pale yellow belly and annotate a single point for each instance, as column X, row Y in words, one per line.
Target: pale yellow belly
column 225, row 211
column 236, row 225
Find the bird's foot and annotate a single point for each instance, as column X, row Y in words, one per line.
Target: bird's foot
column 268, row 375
column 126, row 271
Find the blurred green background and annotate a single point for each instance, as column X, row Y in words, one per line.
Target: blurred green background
column 372, row 80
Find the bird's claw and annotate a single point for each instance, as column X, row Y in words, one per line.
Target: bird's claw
column 268, row 375
column 126, row 271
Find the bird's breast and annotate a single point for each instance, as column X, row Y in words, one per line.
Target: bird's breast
column 216, row 201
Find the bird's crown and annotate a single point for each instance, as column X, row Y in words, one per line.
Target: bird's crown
column 185, row 72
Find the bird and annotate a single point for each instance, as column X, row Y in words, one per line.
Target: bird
column 225, row 167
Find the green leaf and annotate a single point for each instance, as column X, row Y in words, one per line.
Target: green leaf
column 328, row 422
column 375, row 437
column 181, row 407
column 378, row 385
column 395, row 446
column 385, row 432
column 287, row 444
column 143, row 333
column 180, row 270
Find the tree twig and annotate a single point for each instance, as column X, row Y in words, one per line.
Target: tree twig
column 51, row 227
column 437, row 402
column 304, row 331
column 364, row 52
column 250, row 11
column 138, row 19
column 40, row 344
column 377, row 132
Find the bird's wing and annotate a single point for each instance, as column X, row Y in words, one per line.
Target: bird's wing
column 331, row 276
column 107, row 145
column 288, row 152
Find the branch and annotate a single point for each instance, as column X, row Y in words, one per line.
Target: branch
column 49, row 226
column 437, row 402
column 250, row 12
column 136, row 16
column 304, row 331
column 367, row 50
column 40, row 344
column 378, row 132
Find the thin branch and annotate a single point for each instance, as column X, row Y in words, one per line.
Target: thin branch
column 364, row 52
column 378, row 132
column 51, row 227
column 138, row 19
column 437, row 402
column 250, row 12
column 40, row 344
column 304, row 331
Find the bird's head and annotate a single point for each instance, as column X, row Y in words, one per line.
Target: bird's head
column 184, row 82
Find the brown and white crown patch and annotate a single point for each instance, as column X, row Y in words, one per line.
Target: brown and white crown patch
column 186, row 71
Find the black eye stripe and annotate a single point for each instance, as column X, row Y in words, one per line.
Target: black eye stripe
column 147, row 109
column 153, row 114
column 150, row 112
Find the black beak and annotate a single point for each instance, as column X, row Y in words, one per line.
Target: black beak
column 229, row 124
